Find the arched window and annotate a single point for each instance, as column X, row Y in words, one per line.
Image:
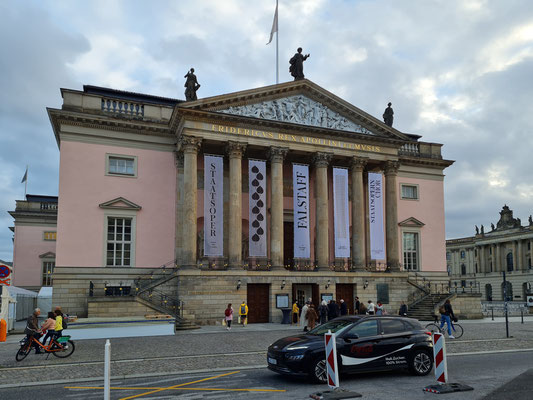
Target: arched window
column 488, row 292
column 463, row 269
column 509, row 291
column 509, row 261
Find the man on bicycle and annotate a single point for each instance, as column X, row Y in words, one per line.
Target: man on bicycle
column 32, row 329
column 446, row 312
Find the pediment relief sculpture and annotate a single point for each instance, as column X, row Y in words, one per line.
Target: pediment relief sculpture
column 298, row 109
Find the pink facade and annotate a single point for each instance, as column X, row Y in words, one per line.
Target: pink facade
column 29, row 245
column 84, row 185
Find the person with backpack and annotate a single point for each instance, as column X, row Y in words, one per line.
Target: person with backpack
column 243, row 313
column 446, row 312
column 228, row 316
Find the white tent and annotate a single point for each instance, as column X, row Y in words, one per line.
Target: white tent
column 44, row 299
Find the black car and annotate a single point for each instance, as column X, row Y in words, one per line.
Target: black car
column 364, row 343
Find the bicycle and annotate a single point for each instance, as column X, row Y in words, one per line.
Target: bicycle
column 61, row 347
column 457, row 330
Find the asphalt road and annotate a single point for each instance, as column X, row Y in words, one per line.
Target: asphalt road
column 486, row 373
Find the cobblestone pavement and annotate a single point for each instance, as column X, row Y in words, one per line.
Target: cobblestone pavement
column 210, row 349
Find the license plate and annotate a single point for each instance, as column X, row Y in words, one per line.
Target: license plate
column 272, row 361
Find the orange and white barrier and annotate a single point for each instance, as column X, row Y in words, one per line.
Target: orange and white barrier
column 439, row 355
column 331, row 360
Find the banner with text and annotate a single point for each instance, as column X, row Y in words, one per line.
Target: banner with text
column 375, row 205
column 341, row 216
column 257, row 209
column 213, row 206
column 300, row 181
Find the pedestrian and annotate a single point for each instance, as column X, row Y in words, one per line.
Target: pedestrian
column 362, row 309
column 379, row 309
column 403, row 309
column 446, row 312
column 333, row 310
column 303, row 316
column 228, row 316
column 371, row 308
column 343, row 308
column 32, row 329
column 295, row 311
column 49, row 326
column 243, row 312
column 323, row 312
column 357, row 305
column 59, row 323
column 311, row 316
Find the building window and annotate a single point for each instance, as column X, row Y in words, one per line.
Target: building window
column 507, row 290
column 119, row 241
column 410, row 251
column 117, row 290
column 491, row 266
column 490, row 250
column 50, row 236
column 121, row 165
column 488, row 291
column 463, row 254
column 463, row 269
column 48, row 270
column 509, row 261
column 448, row 256
column 529, row 245
column 475, row 253
column 476, row 268
column 529, row 263
column 409, row 192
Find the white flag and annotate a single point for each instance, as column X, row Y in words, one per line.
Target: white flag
column 274, row 24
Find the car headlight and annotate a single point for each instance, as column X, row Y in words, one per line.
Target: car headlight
column 297, row 348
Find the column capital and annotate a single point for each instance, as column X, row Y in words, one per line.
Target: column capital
column 391, row 167
column 321, row 160
column 178, row 158
column 235, row 149
column 189, row 144
column 358, row 163
column 277, row 154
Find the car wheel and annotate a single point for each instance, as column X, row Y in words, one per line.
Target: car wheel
column 318, row 372
column 420, row 363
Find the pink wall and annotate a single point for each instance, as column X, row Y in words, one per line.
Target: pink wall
column 429, row 209
column 83, row 185
column 29, row 245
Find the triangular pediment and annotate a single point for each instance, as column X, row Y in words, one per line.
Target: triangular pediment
column 300, row 102
column 48, row 254
column 120, row 203
column 411, row 222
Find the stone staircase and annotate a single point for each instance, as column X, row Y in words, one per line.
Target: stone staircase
column 423, row 309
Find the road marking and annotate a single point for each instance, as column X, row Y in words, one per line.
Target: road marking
column 448, row 341
column 178, row 388
column 474, row 353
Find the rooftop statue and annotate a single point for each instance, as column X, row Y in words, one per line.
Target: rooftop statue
column 191, row 86
column 482, row 230
column 492, row 228
column 297, row 64
column 477, row 230
column 388, row 115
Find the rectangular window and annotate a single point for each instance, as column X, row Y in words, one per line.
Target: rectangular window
column 383, row 292
column 410, row 251
column 119, row 242
column 50, row 236
column 463, row 254
column 121, row 165
column 48, row 270
column 409, row 192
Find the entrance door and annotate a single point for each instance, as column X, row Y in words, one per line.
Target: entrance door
column 345, row 292
column 303, row 292
column 258, row 299
column 288, row 243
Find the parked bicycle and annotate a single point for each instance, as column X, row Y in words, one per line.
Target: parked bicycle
column 457, row 330
column 61, row 347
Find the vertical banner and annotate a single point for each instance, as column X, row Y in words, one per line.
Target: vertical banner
column 375, row 206
column 300, row 181
column 257, row 208
column 213, row 206
column 341, row 214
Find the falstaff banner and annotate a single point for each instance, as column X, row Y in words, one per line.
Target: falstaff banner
column 375, row 205
column 300, row 180
column 341, row 213
column 213, row 206
column 257, row 214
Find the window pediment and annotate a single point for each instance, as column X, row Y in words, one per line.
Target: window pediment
column 48, row 254
column 120, row 203
column 411, row 222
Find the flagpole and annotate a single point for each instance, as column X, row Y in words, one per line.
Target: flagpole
column 277, row 51
column 26, row 183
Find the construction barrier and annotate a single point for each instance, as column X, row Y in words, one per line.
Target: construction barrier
column 331, row 360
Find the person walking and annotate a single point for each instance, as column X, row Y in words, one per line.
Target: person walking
column 228, row 316
column 371, row 309
column 333, row 310
column 403, row 309
column 323, row 312
column 295, row 311
column 446, row 312
column 344, row 308
column 357, row 306
column 49, row 326
column 311, row 316
column 32, row 329
column 380, row 310
column 303, row 316
column 243, row 312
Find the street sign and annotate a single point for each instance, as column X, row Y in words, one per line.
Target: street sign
column 5, row 272
column 530, row 300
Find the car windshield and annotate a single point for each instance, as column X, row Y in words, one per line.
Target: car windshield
column 334, row 326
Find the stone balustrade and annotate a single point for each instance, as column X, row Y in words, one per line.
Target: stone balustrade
column 122, row 107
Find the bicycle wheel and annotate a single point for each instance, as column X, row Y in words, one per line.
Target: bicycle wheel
column 23, row 352
column 457, row 331
column 433, row 328
column 67, row 350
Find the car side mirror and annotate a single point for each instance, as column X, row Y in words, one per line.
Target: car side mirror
column 351, row 337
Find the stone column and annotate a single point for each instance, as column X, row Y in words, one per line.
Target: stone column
column 519, row 257
column 498, row 263
column 478, row 260
column 189, row 145
column 391, row 211
column 321, row 161
column 493, row 258
column 179, row 207
column 276, row 155
column 235, row 151
column 515, row 257
column 358, row 214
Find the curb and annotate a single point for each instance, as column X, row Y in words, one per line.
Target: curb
column 132, row 376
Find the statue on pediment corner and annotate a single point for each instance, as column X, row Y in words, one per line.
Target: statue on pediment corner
column 191, row 86
column 482, row 230
column 492, row 227
column 530, row 219
column 388, row 115
column 477, row 230
column 297, row 64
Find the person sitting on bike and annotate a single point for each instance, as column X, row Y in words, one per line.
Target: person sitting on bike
column 446, row 312
column 32, row 329
column 49, row 326
column 59, row 323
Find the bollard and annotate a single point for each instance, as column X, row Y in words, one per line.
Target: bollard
column 331, row 360
column 3, row 330
column 492, row 313
column 521, row 316
column 107, row 371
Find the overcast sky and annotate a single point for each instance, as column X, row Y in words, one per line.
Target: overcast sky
column 457, row 73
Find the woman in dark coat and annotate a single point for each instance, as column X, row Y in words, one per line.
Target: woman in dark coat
column 311, row 316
